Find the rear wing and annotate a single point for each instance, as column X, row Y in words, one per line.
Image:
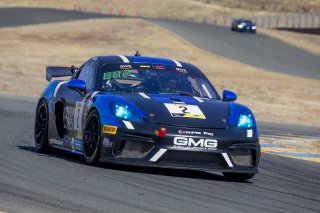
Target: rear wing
column 59, row 72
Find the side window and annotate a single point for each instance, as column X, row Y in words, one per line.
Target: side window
column 87, row 75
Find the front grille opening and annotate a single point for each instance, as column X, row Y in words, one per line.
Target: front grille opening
column 201, row 159
column 243, row 157
column 134, row 149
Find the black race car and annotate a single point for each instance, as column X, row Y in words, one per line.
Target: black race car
column 243, row 25
column 146, row 111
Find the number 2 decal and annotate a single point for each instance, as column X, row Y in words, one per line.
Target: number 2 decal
column 184, row 109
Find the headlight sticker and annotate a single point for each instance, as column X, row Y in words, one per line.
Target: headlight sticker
column 128, row 124
column 185, row 110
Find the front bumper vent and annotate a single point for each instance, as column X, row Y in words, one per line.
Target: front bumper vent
column 243, row 157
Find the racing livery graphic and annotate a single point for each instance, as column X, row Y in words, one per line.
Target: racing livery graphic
column 146, row 111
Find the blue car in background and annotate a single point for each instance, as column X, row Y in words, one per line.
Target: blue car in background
column 243, row 25
column 146, row 111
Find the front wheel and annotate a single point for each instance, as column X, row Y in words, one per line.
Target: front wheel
column 41, row 127
column 238, row 176
column 91, row 138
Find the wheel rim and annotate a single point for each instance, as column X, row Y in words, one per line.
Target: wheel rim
column 91, row 137
column 41, row 124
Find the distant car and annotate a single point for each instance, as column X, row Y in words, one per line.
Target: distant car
column 243, row 25
column 146, row 111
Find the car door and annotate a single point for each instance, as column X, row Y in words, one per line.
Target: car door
column 73, row 104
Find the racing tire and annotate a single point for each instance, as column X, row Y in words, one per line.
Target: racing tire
column 41, row 127
column 91, row 138
column 238, row 176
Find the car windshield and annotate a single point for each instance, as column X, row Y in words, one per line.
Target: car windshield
column 246, row 22
column 153, row 79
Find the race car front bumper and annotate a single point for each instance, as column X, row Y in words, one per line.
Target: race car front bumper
column 235, row 151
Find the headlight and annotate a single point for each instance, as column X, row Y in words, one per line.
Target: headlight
column 245, row 120
column 124, row 112
column 254, row 27
column 240, row 26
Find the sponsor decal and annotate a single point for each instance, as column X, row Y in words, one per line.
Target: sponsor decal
column 208, row 133
column 188, row 132
column 202, row 143
column 185, row 110
column 79, row 134
column 107, row 143
column 78, row 113
column 109, row 129
column 144, row 66
column 125, row 66
column 182, row 70
column 156, row 132
column 72, row 116
column 116, row 74
column 161, row 67
column 55, row 142
column 68, row 117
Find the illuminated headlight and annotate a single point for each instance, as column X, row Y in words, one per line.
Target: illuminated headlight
column 245, row 120
column 124, row 112
column 254, row 27
column 240, row 26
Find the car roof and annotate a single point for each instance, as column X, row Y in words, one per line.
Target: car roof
column 192, row 69
column 243, row 20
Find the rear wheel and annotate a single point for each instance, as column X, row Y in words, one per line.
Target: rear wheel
column 91, row 138
column 41, row 127
column 238, row 176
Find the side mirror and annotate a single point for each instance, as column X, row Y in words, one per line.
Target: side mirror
column 228, row 96
column 77, row 85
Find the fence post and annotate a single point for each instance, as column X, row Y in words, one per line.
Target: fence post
column 293, row 21
column 300, row 21
column 306, row 20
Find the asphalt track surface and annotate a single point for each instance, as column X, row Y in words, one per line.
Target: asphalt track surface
column 60, row 182
column 19, row 16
